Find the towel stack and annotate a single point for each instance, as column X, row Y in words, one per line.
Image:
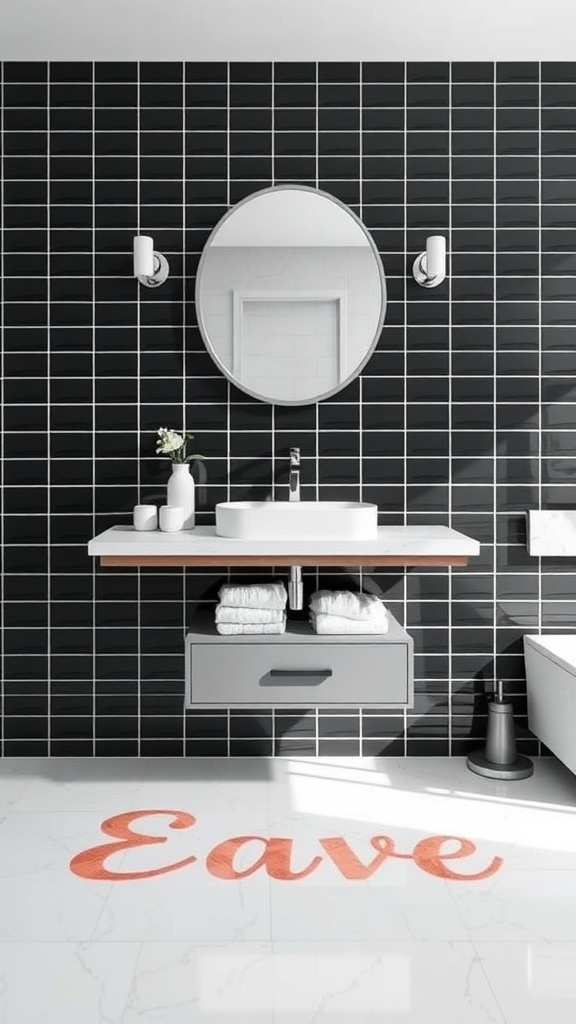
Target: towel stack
column 342, row 611
column 258, row 608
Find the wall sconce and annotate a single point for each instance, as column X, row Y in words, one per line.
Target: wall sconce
column 151, row 268
column 429, row 268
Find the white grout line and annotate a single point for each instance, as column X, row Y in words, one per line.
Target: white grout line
column 317, row 407
column 94, row 463
column 540, row 337
column 450, row 371
column 317, row 87
column 2, row 418
column 185, row 424
column 48, row 414
column 407, row 272
column 228, row 385
column 138, row 286
column 228, row 156
column 273, row 126
column 495, row 392
column 361, row 378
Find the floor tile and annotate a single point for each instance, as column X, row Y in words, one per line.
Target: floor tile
column 534, row 982
column 301, row 983
column 16, row 775
column 399, row 906
column 65, row 983
column 185, row 983
column 40, row 899
column 520, row 906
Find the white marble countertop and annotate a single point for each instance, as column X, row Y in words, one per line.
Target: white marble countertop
column 393, row 541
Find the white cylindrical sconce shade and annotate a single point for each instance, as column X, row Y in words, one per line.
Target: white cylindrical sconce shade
column 143, row 256
column 436, row 256
column 429, row 268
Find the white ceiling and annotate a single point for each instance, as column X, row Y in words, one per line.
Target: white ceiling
column 287, row 29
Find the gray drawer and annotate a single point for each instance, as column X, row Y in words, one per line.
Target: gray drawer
column 298, row 674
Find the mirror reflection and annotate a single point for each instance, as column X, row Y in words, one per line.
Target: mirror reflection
column 290, row 295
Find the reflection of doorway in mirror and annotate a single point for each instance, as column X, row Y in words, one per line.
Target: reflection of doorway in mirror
column 289, row 345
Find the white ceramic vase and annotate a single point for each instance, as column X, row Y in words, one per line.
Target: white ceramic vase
column 181, row 492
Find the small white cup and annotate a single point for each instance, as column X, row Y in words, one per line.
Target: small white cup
column 145, row 517
column 171, row 518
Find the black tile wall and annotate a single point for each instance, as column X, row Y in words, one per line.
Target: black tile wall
column 466, row 415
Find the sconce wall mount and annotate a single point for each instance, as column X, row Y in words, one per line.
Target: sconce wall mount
column 429, row 268
column 150, row 267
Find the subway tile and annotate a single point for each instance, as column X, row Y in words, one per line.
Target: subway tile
column 206, row 71
column 558, row 143
column 404, row 432
column 295, row 71
column 559, row 71
column 382, row 95
column 472, row 95
column 27, row 71
column 472, row 119
column 517, row 71
column 473, row 71
column 388, row 71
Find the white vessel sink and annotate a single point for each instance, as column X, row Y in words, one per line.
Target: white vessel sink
column 252, row 520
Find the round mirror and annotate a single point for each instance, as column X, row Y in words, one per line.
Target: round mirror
column 290, row 295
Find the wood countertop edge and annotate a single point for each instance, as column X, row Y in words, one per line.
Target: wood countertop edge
column 204, row 561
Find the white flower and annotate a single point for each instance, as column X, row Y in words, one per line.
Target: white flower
column 168, row 441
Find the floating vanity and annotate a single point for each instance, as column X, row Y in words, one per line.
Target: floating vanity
column 392, row 546
column 299, row 668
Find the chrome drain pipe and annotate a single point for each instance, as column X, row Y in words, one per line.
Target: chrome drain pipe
column 296, row 589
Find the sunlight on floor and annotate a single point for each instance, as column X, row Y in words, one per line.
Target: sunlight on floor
column 407, row 801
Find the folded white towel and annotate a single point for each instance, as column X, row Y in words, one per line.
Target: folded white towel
column 322, row 623
column 345, row 603
column 256, row 595
column 226, row 613
column 238, row 628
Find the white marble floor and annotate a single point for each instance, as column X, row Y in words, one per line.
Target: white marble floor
column 267, row 898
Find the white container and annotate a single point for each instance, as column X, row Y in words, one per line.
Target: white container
column 145, row 517
column 256, row 520
column 171, row 518
column 551, row 684
column 181, row 492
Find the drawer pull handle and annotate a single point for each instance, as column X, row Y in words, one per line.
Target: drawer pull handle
column 286, row 673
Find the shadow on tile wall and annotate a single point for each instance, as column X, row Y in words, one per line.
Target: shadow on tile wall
column 464, row 416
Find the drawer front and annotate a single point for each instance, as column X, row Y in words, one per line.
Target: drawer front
column 298, row 674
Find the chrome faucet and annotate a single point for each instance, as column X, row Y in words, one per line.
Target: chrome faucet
column 294, row 492
column 295, row 586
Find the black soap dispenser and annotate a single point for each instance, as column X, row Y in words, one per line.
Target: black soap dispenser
column 500, row 759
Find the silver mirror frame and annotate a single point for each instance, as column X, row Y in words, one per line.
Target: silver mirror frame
column 203, row 331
